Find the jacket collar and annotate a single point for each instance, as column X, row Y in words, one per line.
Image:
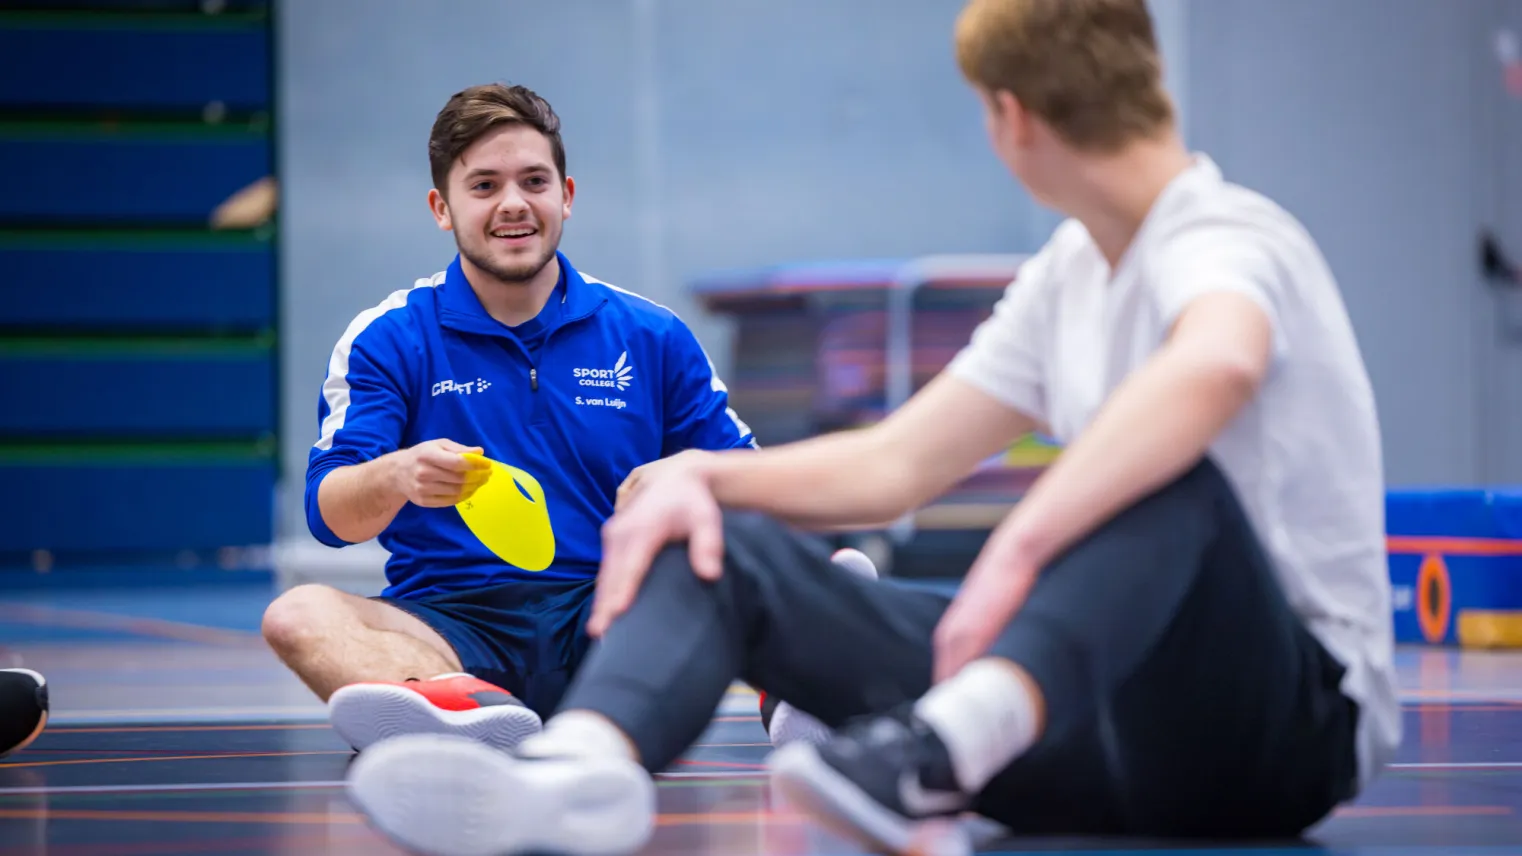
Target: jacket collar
column 460, row 309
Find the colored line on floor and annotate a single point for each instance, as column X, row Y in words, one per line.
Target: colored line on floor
column 222, row 756
column 86, row 619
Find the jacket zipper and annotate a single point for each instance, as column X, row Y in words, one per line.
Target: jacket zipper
column 533, row 372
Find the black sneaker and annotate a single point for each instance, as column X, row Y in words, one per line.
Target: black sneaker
column 23, row 709
column 875, row 781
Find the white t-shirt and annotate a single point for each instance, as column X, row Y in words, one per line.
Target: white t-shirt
column 1304, row 456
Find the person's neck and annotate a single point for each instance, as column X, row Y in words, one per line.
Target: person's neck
column 1117, row 192
column 512, row 303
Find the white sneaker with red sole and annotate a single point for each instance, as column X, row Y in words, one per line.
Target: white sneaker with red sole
column 457, row 704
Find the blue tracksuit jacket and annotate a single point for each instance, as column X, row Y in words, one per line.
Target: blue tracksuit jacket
column 599, row 383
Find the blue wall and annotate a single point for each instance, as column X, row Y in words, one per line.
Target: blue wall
column 137, row 347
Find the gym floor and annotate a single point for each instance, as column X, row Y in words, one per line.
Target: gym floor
column 175, row 731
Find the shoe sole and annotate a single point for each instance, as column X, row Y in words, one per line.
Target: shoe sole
column 791, row 725
column 365, row 714
column 834, row 802
column 449, row 796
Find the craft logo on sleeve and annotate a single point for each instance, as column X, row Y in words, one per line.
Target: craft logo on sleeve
column 469, row 387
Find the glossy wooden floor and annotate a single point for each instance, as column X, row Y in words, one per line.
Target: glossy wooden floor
column 176, row 732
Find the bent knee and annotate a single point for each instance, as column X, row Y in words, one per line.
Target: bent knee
column 761, row 546
column 301, row 615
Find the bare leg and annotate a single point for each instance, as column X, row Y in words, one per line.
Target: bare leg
column 331, row 638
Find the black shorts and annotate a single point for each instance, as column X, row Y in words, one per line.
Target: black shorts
column 526, row 637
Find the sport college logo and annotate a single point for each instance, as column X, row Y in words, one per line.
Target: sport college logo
column 618, row 377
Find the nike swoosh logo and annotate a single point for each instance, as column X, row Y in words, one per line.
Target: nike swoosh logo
column 920, row 802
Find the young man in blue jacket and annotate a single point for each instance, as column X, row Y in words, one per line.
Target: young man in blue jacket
column 510, row 355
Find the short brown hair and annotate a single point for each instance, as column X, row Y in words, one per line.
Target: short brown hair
column 470, row 113
column 1089, row 68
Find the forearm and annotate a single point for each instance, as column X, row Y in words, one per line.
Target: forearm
column 1156, row 426
column 855, row 525
column 358, row 502
column 834, row 481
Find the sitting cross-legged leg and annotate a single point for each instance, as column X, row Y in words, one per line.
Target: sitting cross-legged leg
column 331, row 638
column 388, row 668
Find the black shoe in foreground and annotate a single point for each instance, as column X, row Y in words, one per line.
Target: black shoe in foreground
column 23, row 708
column 876, row 781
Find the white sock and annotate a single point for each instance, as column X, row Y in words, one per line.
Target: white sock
column 578, row 734
column 985, row 716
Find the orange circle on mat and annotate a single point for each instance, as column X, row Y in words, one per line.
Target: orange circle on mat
column 1434, row 598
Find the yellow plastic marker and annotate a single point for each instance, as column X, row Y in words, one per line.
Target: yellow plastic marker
column 513, row 526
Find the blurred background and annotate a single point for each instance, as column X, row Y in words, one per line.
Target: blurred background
column 197, row 197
